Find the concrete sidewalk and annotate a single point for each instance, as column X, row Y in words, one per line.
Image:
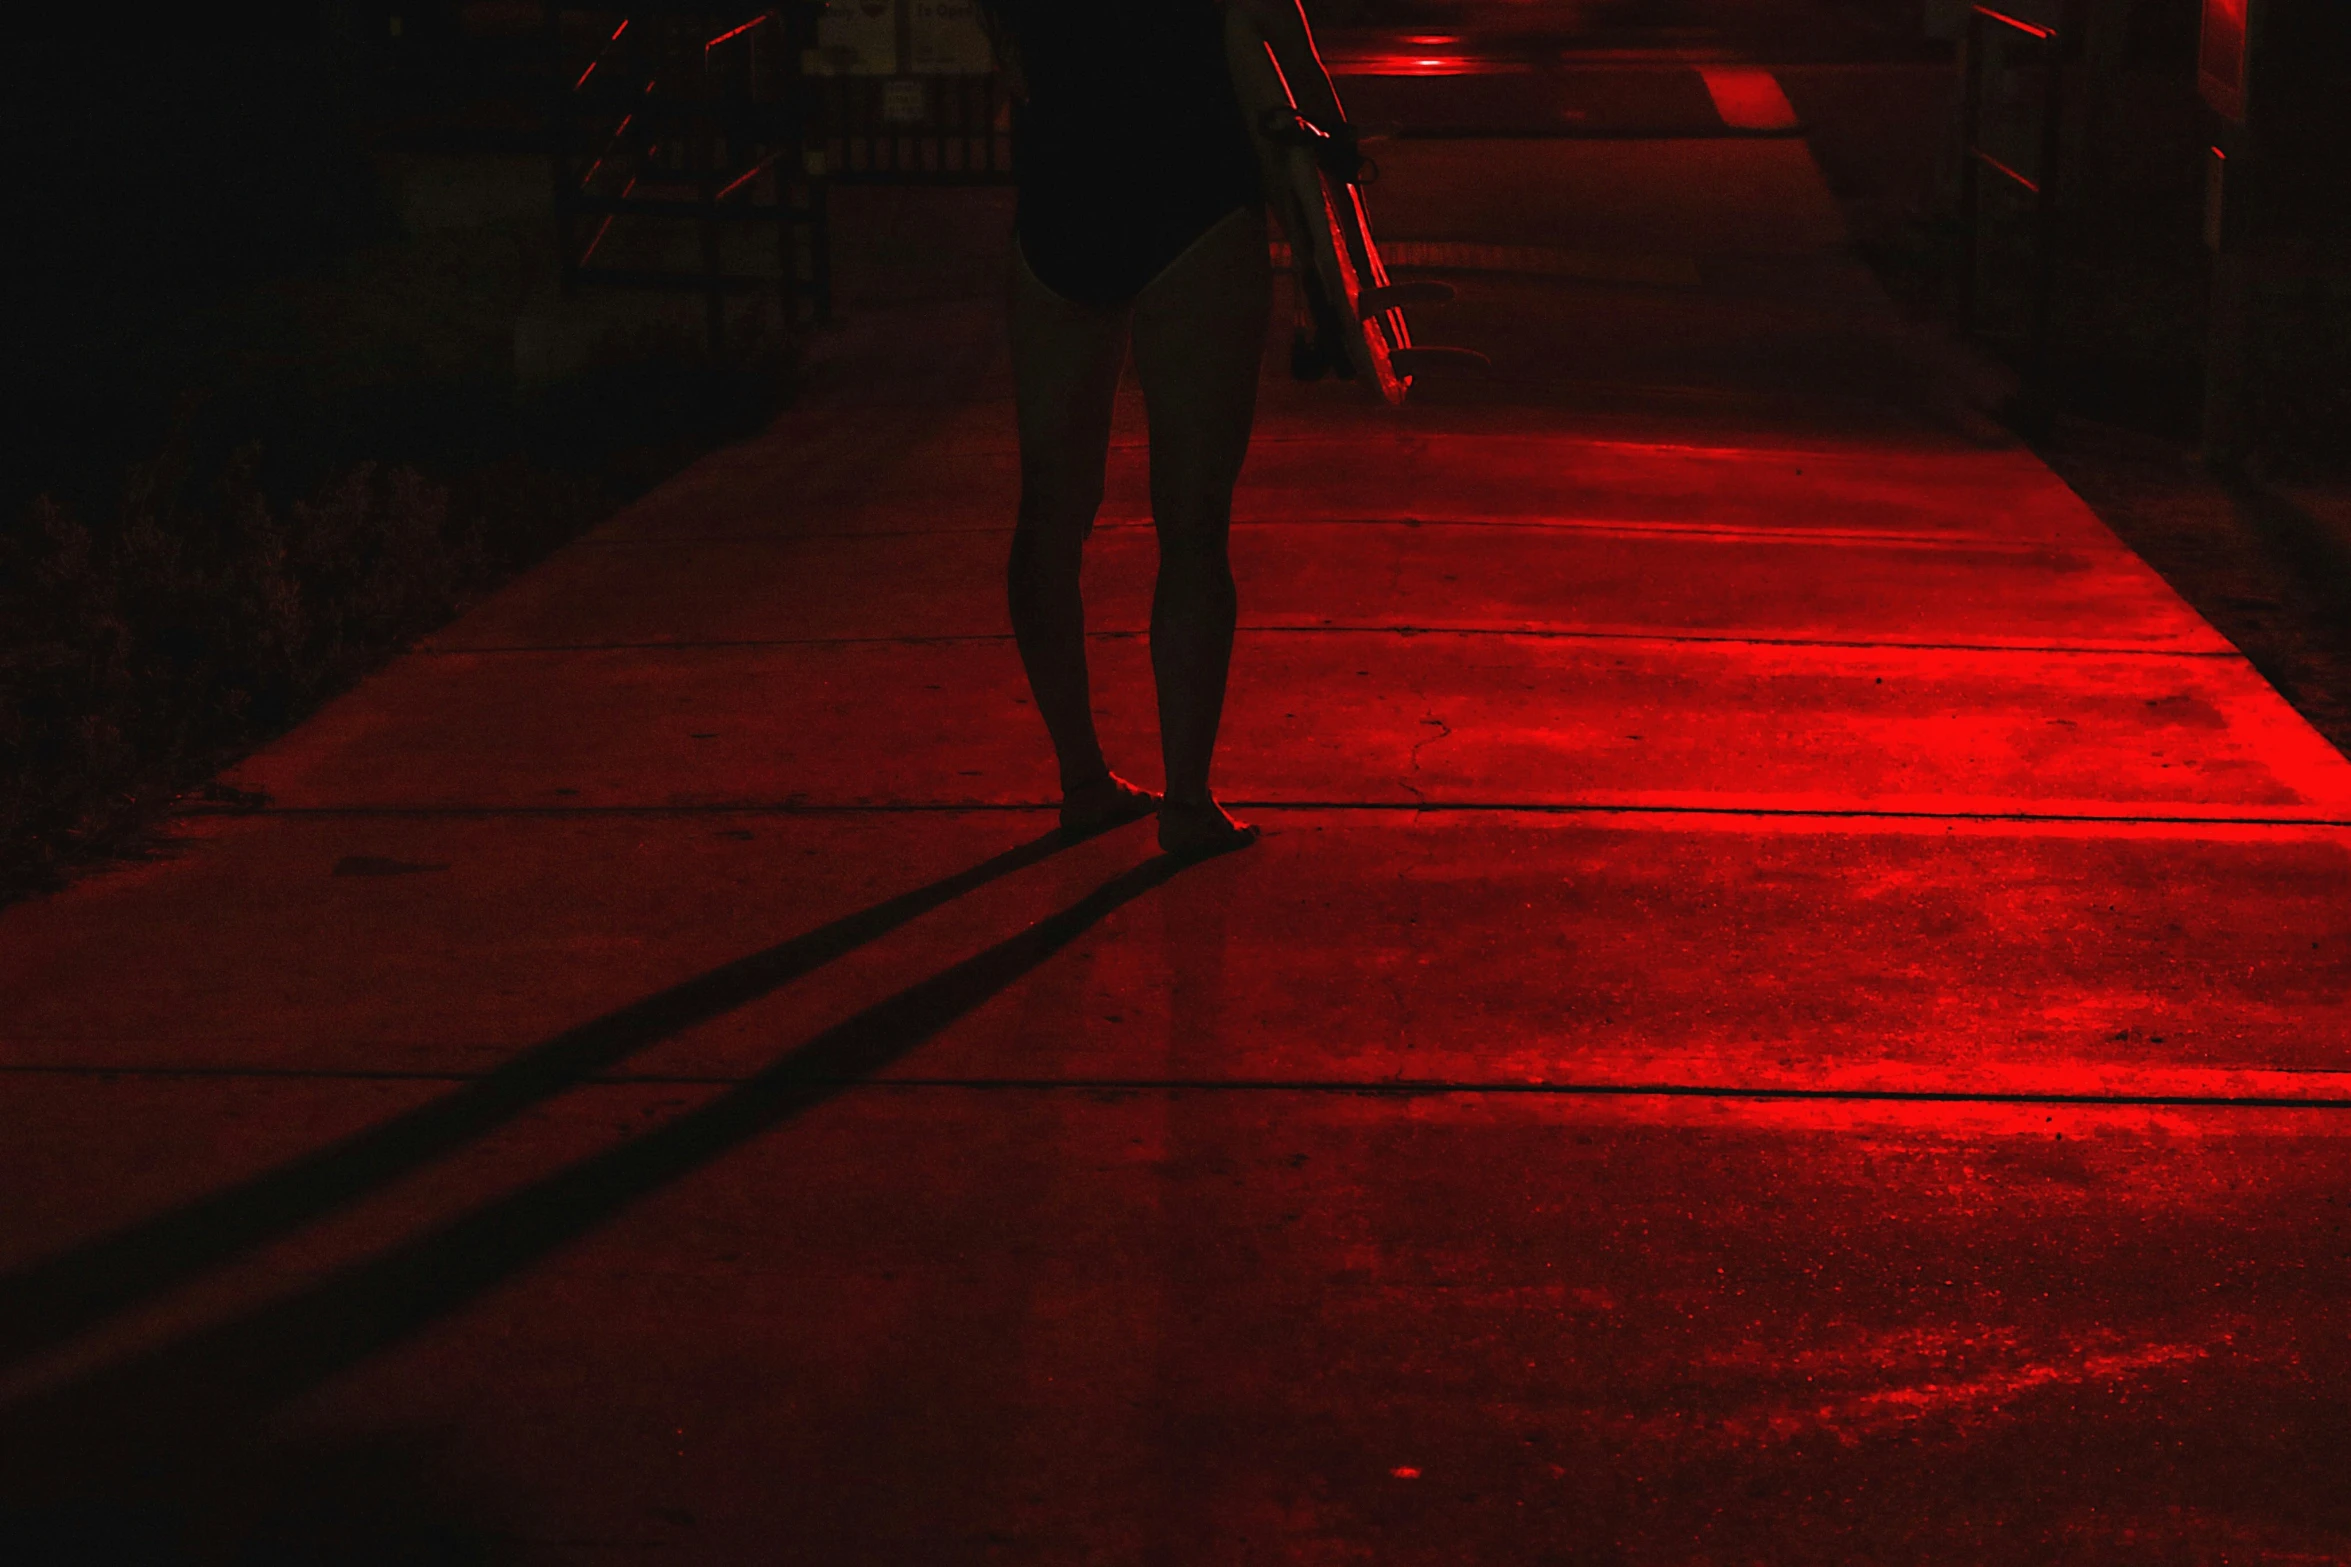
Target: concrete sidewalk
column 1792, row 1007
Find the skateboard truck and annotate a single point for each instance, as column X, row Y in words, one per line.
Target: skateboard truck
column 1379, row 300
column 1318, row 346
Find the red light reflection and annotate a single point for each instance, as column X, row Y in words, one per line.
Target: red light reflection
column 599, row 60
column 1427, row 65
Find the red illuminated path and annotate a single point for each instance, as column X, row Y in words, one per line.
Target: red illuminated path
column 1792, row 1006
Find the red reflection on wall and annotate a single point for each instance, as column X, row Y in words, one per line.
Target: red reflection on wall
column 2220, row 59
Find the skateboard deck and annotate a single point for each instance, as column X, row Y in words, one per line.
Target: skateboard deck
column 1352, row 312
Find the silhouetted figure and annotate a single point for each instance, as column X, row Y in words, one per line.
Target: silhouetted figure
column 1141, row 216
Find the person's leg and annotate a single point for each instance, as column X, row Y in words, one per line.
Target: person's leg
column 1199, row 335
column 1065, row 363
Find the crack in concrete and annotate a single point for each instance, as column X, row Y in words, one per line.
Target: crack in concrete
column 1444, row 732
column 1395, row 989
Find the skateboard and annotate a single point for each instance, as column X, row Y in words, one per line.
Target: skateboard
column 1351, row 314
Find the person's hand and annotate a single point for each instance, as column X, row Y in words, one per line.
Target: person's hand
column 1340, row 152
column 1337, row 149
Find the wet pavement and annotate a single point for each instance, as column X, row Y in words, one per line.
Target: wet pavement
column 1792, row 1006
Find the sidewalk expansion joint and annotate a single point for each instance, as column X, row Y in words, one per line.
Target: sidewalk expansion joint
column 1391, row 1088
column 1531, row 633
column 1928, row 539
column 1364, row 807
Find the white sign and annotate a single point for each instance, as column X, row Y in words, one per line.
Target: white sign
column 947, row 39
column 855, row 38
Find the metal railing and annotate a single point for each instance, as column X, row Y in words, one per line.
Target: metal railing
column 903, row 93
column 672, row 129
column 707, row 121
column 2038, row 183
column 910, row 130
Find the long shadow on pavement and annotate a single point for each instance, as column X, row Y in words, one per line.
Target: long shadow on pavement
column 174, row 1415
column 50, row 1301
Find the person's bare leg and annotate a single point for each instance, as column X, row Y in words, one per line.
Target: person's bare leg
column 1065, row 358
column 1199, row 335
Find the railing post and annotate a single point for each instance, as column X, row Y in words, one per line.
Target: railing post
column 820, row 246
column 1971, row 109
column 559, row 134
column 2046, row 217
column 2041, row 185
